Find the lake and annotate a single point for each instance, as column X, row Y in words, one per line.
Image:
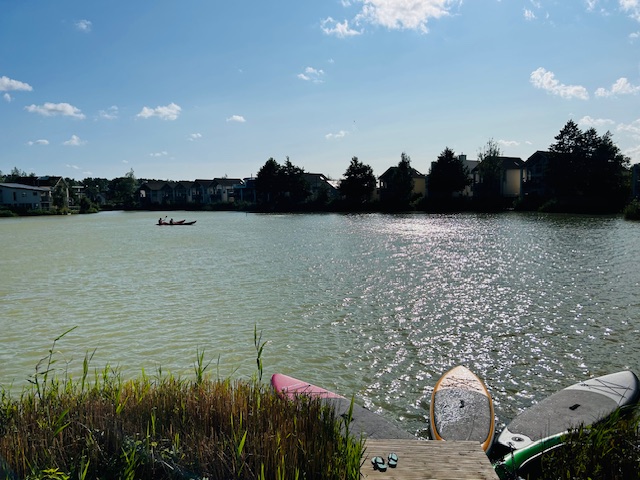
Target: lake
column 375, row 306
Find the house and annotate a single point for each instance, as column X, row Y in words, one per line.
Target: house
column 57, row 186
column 419, row 182
column 512, row 176
column 320, row 186
column 224, row 189
column 535, row 180
column 471, row 165
column 19, row 196
column 156, row 192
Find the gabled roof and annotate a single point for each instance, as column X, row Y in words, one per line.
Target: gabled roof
column 228, row 182
column 414, row 173
column 43, row 181
column 21, row 186
column 538, row 157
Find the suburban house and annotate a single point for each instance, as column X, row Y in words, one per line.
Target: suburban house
column 419, row 182
column 512, row 172
column 320, row 186
column 200, row 191
column 22, row 192
column 536, row 168
column 26, row 197
column 471, row 165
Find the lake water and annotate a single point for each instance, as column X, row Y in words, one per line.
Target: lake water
column 376, row 306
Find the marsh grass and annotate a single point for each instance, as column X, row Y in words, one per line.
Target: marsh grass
column 607, row 450
column 103, row 426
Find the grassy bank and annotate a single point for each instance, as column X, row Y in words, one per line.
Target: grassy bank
column 102, row 426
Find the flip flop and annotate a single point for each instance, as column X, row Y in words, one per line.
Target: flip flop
column 393, row 460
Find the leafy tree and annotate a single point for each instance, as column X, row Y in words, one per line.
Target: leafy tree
column 122, row 190
column 94, row 187
column 281, row 186
column 587, row 169
column 448, row 174
column 490, row 170
column 358, row 183
column 269, row 181
column 398, row 191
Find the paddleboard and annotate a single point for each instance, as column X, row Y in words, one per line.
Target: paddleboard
column 583, row 403
column 363, row 421
column 461, row 408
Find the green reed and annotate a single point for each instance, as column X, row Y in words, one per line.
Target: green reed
column 607, row 450
column 103, row 426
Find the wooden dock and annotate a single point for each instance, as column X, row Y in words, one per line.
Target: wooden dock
column 428, row 459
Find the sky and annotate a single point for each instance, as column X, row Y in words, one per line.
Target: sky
column 197, row 89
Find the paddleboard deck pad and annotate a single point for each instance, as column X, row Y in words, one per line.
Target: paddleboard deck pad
column 461, row 408
column 584, row 403
column 364, row 422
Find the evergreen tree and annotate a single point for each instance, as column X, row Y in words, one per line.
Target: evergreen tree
column 448, row 174
column 358, row 183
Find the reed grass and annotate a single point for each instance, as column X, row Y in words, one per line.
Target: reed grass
column 104, row 426
column 609, row 450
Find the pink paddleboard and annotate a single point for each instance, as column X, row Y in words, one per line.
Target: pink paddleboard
column 289, row 387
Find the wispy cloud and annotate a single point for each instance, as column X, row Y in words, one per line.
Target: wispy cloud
column 236, row 118
column 7, row 97
column 509, row 143
column 341, row 30
column 41, row 141
column 620, row 87
column 73, row 167
column 195, row 136
column 631, row 8
column 167, row 112
column 589, row 121
column 55, row 109
column 84, row 26
column 545, row 80
column 311, row 74
column 8, row 84
column 529, row 15
column 74, row 141
column 159, row 154
column 336, row 136
column 633, row 128
column 110, row 113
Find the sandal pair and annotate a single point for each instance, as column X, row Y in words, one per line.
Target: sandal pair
column 378, row 462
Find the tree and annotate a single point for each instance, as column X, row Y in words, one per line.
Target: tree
column 358, row 183
column 587, row 170
column 296, row 187
column 448, row 174
column 398, row 185
column 123, row 190
column 268, row 181
column 489, row 170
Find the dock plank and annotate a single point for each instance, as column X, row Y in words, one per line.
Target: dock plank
column 428, row 459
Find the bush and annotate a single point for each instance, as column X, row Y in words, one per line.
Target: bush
column 632, row 211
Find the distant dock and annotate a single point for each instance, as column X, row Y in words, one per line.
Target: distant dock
column 429, row 459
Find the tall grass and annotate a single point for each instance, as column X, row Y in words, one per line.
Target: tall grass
column 103, row 426
column 607, row 450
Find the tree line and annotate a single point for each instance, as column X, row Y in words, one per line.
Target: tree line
column 584, row 171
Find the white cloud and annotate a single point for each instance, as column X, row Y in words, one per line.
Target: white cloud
column 167, row 112
column 633, row 128
column 404, row 14
column 74, row 141
column 509, row 143
column 588, row 121
column 7, row 84
column 110, row 113
column 545, row 80
column 311, row 75
column 159, row 154
column 332, row 27
column 631, row 7
column 529, row 15
column 54, row 109
column 74, row 167
column 84, row 26
column 620, row 87
column 634, row 36
column 195, row 136
column 236, row 118
column 7, row 97
column 336, row 136
column 38, row 142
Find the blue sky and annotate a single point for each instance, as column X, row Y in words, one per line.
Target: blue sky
column 200, row 88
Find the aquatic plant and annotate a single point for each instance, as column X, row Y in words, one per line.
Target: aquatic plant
column 103, row 426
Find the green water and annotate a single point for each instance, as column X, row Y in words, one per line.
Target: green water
column 376, row 306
